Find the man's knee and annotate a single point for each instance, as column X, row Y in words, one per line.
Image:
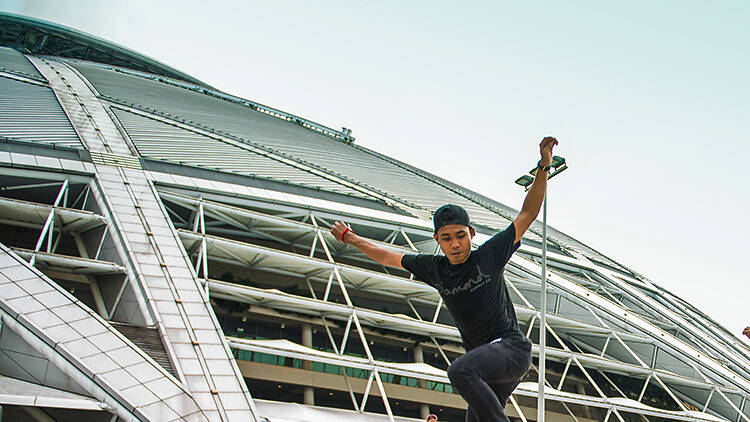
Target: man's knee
column 453, row 372
column 459, row 371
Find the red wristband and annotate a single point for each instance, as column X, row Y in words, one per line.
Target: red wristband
column 343, row 234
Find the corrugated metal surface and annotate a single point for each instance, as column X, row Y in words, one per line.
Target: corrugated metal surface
column 32, row 113
column 16, row 62
column 282, row 136
column 155, row 139
column 149, row 340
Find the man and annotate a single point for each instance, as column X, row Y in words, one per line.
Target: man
column 471, row 283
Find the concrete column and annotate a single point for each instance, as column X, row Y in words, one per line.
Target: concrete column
column 309, row 393
column 581, row 389
column 95, row 291
column 424, row 409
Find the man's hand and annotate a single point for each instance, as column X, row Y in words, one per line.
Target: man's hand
column 545, row 149
column 746, row 332
column 338, row 229
column 535, row 197
column 376, row 253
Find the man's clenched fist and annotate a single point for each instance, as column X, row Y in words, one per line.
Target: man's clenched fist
column 545, row 148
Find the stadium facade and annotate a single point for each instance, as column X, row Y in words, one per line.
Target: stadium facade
column 164, row 255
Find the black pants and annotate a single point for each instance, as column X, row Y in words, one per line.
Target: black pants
column 487, row 375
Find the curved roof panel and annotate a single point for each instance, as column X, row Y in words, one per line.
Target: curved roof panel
column 159, row 140
column 32, row 113
column 15, row 62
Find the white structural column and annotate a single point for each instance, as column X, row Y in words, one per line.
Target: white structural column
column 424, row 409
column 169, row 287
column 48, row 230
column 309, row 393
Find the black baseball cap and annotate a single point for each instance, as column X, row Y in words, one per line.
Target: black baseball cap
column 450, row 214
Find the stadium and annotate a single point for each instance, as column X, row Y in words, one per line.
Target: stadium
column 165, row 255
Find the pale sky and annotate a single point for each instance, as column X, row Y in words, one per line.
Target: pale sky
column 649, row 101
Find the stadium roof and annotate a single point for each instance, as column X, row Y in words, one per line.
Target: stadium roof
column 158, row 185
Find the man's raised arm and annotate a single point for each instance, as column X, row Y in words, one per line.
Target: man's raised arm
column 383, row 256
column 533, row 202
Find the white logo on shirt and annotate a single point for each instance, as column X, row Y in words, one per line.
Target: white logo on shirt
column 470, row 285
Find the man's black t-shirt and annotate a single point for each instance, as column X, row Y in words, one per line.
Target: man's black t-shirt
column 474, row 291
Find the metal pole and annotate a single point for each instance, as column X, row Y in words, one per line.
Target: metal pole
column 542, row 316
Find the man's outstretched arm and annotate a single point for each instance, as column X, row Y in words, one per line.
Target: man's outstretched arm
column 376, row 253
column 533, row 202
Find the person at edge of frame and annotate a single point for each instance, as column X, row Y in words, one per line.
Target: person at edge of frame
column 471, row 283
